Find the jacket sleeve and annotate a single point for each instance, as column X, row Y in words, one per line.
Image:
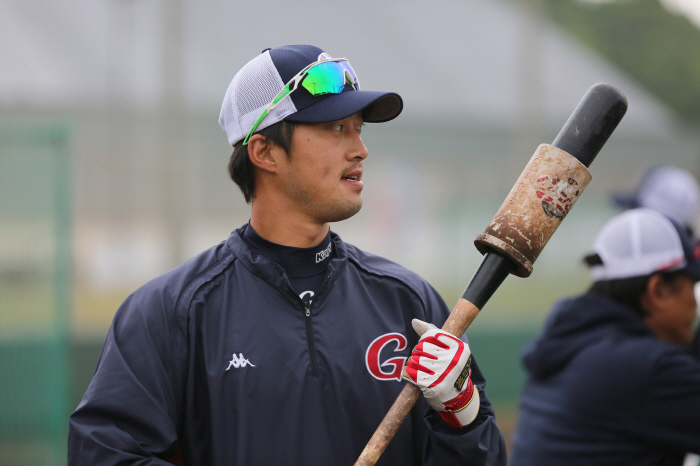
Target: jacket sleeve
column 695, row 348
column 128, row 414
column 479, row 443
column 671, row 403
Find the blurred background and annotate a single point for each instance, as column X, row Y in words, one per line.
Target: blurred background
column 113, row 165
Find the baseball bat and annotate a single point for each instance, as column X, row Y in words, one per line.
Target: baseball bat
column 544, row 193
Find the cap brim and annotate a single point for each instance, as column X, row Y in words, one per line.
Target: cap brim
column 625, row 200
column 376, row 107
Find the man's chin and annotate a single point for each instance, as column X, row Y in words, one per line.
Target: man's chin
column 345, row 212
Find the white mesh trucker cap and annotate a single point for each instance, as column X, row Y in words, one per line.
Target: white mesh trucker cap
column 262, row 78
column 670, row 190
column 640, row 242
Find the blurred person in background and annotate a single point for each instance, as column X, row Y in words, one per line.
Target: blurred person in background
column 674, row 192
column 284, row 344
column 610, row 380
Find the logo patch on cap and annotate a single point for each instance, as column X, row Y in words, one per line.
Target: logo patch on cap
column 324, row 56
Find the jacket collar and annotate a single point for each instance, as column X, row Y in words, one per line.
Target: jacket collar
column 273, row 273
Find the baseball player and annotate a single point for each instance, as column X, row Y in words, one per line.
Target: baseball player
column 284, row 344
column 675, row 193
column 610, row 380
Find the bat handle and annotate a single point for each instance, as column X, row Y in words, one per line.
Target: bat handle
column 390, row 425
column 493, row 269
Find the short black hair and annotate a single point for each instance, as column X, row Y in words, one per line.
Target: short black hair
column 629, row 291
column 240, row 168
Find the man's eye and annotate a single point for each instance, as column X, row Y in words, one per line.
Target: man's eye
column 338, row 127
column 359, row 128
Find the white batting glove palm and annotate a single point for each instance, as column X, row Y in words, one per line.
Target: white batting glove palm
column 440, row 365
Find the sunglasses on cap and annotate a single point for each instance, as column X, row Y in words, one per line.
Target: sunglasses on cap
column 327, row 76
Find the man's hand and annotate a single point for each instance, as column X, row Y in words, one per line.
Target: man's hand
column 440, row 365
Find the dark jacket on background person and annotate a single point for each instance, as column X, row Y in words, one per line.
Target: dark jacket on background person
column 603, row 390
column 221, row 357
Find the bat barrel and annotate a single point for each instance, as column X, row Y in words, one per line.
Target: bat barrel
column 583, row 136
column 592, row 122
column 553, row 180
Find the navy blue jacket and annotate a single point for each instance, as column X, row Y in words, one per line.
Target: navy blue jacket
column 603, row 390
column 218, row 358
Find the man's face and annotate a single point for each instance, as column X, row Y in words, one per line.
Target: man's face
column 674, row 323
column 323, row 178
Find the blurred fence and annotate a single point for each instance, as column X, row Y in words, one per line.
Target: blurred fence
column 35, row 276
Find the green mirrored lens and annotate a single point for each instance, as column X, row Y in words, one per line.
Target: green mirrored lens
column 325, row 78
column 350, row 75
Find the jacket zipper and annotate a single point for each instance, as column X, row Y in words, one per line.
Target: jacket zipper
column 309, row 330
column 310, row 339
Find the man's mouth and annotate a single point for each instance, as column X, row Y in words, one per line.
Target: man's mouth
column 353, row 175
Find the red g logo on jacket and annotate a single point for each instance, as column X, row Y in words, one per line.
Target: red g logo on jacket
column 391, row 368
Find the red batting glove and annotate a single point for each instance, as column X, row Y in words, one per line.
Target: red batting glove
column 440, row 365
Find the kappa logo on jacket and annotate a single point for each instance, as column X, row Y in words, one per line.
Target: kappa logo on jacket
column 391, row 368
column 238, row 361
column 323, row 255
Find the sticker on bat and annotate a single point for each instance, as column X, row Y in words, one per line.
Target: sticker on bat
column 558, row 196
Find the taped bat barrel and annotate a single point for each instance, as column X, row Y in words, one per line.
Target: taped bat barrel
column 552, row 181
column 583, row 136
column 545, row 192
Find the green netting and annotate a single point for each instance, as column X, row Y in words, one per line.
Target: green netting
column 34, row 294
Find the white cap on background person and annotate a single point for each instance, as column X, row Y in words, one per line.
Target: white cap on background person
column 640, row 242
column 667, row 189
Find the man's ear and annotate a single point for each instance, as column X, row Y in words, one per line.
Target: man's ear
column 655, row 294
column 263, row 153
